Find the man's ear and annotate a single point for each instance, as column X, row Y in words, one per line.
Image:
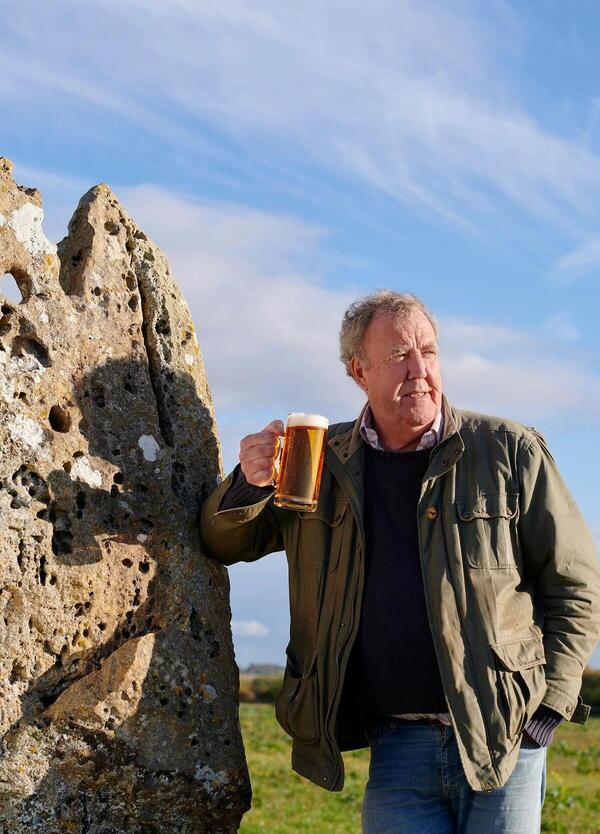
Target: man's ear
column 358, row 373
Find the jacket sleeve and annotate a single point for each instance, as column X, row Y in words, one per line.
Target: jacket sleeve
column 239, row 534
column 241, row 494
column 560, row 554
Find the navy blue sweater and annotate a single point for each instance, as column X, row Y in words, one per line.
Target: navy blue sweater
column 397, row 664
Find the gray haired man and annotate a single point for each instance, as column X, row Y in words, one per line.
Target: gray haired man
column 444, row 597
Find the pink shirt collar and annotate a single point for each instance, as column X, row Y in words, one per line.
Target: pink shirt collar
column 430, row 438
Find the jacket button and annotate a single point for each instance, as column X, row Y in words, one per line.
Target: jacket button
column 431, row 513
column 342, row 625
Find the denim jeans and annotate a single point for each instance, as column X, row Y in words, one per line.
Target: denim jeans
column 417, row 785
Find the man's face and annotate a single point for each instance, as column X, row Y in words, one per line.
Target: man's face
column 400, row 371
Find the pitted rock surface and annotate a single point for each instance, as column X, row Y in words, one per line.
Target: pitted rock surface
column 118, row 686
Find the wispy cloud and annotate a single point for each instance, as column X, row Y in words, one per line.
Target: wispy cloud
column 249, row 628
column 410, row 98
column 561, row 327
column 581, row 260
column 268, row 321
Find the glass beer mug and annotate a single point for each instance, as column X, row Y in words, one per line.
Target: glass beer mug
column 301, row 455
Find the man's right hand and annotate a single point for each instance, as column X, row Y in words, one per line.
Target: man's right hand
column 258, row 453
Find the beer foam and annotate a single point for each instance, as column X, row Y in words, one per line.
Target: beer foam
column 300, row 419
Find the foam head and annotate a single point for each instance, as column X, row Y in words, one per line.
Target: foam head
column 300, row 419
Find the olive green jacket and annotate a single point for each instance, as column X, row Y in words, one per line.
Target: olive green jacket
column 511, row 585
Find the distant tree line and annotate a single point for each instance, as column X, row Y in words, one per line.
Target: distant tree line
column 265, row 688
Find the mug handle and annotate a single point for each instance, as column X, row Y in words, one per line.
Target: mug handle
column 278, row 456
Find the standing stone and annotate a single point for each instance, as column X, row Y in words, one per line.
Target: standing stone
column 118, row 686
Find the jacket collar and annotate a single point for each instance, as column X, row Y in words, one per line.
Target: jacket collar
column 348, row 443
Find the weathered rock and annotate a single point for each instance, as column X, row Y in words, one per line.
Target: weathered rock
column 118, row 686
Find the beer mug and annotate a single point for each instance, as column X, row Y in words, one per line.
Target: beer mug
column 301, row 462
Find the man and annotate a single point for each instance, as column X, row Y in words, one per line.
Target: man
column 444, row 597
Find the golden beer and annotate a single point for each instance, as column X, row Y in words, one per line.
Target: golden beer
column 301, row 465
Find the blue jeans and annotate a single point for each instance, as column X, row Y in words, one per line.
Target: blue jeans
column 417, row 785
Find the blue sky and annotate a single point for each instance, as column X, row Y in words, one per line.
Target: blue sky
column 290, row 157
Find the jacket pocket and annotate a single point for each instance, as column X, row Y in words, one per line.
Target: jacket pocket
column 321, row 536
column 487, row 527
column 297, row 705
column 520, row 680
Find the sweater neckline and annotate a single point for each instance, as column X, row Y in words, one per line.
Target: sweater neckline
column 412, row 456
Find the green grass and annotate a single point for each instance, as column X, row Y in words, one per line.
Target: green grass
column 285, row 803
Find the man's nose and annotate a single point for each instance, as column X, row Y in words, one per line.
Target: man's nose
column 416, row 365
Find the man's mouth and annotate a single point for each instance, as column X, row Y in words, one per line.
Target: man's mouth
column 416, row 394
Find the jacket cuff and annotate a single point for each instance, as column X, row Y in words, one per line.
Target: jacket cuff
column 542, row 724
column 242, row 494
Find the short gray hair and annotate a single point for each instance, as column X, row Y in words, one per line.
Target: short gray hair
column 360, row 313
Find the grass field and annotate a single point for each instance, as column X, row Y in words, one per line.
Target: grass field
column 285, row 803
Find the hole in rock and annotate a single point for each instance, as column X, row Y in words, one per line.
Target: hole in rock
column 42, row 573
column 10, row 289
column 162, row 327
column 119, row 478
column 60, row 419
column 112, row 227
